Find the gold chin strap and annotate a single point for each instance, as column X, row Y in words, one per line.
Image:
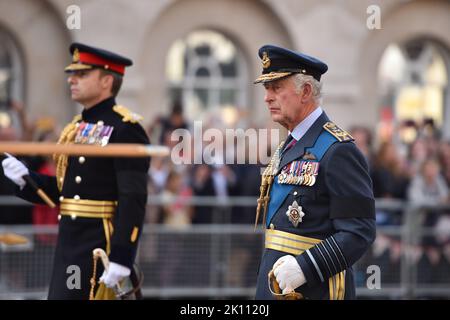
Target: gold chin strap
column 275, row 289
column 67, row 136
column 266, row 182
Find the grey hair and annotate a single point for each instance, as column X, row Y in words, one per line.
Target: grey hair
column 301, row 79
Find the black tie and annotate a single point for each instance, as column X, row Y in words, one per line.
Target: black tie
column 290, row 142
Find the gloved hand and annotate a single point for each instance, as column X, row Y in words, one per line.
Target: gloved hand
column 115, row 273
column 14, row 170
column 288, row 273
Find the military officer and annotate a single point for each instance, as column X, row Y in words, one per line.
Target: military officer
column 316, row 193
column 102, row 200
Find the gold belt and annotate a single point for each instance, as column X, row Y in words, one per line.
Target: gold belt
column 88, row 208
column 295, row 244
column 288, row 242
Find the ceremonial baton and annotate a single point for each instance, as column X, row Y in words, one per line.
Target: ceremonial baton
column 110, row 150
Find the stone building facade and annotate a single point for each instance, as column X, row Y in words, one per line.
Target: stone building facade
column 35, row 35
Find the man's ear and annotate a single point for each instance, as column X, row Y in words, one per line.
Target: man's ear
column 307, row 92
column 107, row 81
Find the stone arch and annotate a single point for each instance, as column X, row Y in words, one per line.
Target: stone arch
column 415, row 19
column 42, row 39
column 14, row 52
column 182, row 17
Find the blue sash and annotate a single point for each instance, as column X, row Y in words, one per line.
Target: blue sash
column 279, row 192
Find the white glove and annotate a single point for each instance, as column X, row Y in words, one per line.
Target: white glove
column 115, row 273
column 14, row 170
column 288, row 273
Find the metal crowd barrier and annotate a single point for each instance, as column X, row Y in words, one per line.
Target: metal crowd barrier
column 219, row 260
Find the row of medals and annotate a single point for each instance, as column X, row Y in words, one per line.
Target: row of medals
column 307, row 177
column 93, row 133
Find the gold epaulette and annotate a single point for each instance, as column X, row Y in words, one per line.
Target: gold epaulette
column 338, row 133
column 127, row 114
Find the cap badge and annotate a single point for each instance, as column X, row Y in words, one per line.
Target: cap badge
column 265, row 60
column 76, row 56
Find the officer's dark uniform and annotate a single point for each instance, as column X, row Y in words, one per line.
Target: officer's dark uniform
column 321, row 207
column 102, row 200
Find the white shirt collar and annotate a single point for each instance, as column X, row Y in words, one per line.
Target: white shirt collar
column 303, row 126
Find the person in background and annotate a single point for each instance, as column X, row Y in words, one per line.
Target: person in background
column 363, row 140
column 429, row 188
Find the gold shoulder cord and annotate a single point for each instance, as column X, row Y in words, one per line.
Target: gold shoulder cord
column 266, row 182
column 67, row 136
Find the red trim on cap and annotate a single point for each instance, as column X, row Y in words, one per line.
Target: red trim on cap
column 89, row 58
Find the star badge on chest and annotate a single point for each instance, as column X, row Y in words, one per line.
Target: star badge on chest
column 295, row 214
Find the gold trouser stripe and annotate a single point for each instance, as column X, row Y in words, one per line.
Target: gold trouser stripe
column 336, row 286
column 288, row 242
column 342, row 295
column 331, row 287
column 337, row 279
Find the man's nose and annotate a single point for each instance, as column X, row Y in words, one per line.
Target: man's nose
column 268, row 96
column 71, row 79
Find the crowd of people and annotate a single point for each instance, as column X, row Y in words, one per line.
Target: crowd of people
column 417, row 173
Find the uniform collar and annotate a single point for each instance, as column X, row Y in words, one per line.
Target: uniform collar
column 98, row 109
column 300, row 130
column 306, row 141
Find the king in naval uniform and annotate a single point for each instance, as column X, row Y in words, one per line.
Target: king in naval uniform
column 316, row 194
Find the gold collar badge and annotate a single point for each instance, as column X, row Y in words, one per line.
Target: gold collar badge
column 265, row 60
